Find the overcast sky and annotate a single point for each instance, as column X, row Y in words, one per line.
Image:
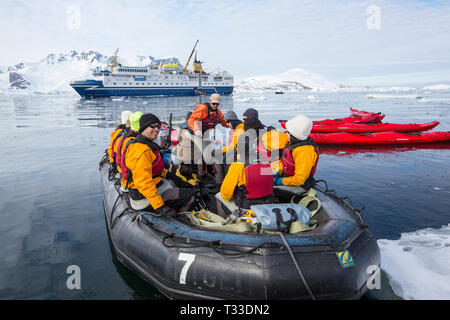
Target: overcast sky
column 349, row 41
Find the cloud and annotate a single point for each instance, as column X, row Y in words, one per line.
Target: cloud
column 246, row 37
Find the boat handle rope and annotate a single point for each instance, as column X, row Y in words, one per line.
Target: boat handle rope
column 216, row 245
column 302, row 277
column 113, row 223
column 115, row 204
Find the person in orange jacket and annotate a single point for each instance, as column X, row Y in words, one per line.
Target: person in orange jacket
column 203, row 118
column 300, row 157
column 145, row 173
column 134, row 130
column 206, row 116
column 115, row 135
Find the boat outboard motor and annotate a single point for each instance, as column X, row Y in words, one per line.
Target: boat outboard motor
column 280, row 216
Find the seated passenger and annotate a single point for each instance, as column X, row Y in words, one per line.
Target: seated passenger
column 185, row 150
column 127, row 136
column 248, row 182
column 124, row 124
column 145, row 172
column 300, row 157
column 237, row 127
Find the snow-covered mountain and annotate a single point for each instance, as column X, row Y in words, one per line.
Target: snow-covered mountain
column 56, row 71
column 292, row 80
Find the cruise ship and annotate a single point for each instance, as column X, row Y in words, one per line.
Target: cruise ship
column 154, row 80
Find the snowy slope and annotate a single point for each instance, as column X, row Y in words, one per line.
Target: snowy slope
column 294, row 79
column 56, row 71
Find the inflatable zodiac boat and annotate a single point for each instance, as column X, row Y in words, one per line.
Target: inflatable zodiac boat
column 324, row 253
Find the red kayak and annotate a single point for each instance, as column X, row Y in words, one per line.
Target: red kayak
column 361, row 113
column 379, row 138
column 376, row 127
column 375, row 118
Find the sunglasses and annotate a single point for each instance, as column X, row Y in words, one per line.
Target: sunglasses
column 153, row 126
column 215, row 104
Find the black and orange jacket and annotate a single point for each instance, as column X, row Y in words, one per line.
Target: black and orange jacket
column 203, row 114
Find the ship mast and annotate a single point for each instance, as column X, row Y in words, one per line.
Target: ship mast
column 114, row 63
column 185, row 70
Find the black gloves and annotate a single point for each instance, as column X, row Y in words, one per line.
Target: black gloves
column 166, row 211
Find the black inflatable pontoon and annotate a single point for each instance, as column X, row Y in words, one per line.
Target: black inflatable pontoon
column 185, row 261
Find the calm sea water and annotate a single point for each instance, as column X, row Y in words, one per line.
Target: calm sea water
column 51, row 213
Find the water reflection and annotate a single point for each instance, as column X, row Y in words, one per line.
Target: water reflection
column 342, row 151
column 105, row 112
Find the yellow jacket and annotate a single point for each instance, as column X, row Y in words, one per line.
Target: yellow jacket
column 123, row 182
column 273, row 141
column 111, row 147
column 235, row 178
column 304, row 159
column 139, row 159
column 236, row 133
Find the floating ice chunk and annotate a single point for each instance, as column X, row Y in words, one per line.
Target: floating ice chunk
column 418, row 264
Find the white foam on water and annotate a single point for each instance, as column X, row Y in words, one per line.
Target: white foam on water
column 435, row 100
column 438, row 87
column 393, row 96
column 418, row 264
column 260, row 98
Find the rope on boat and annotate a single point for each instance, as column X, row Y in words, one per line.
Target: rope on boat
column 305, row 283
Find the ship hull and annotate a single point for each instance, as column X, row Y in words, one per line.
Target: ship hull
column 95, row 89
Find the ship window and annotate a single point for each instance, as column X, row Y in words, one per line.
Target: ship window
column 114, row 83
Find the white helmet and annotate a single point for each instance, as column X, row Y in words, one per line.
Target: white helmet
column 300, row 127
column 125, row 116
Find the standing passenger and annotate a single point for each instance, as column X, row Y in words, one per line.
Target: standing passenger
column 203, row 118
column 206, row 116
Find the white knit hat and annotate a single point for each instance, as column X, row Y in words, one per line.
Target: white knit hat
column 215, row 98
column 125, row 116
column 300, row 127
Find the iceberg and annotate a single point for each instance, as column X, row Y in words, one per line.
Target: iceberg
column 291, row 80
